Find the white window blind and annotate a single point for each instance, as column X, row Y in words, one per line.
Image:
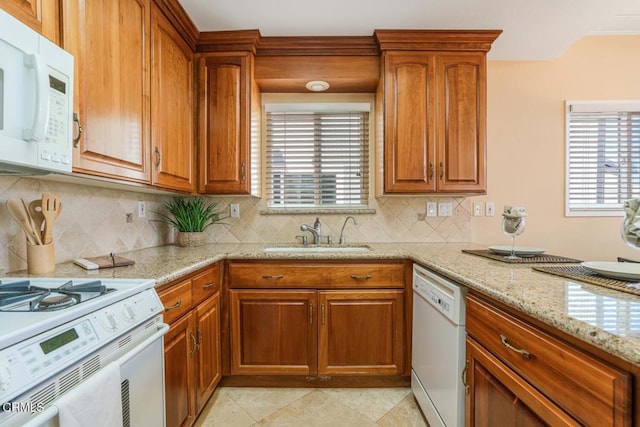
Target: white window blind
column 603, row 156
column 317, row 159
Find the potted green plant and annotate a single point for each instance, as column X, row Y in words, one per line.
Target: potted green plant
column 191, row 217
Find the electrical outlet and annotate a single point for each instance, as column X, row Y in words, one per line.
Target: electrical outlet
column 477, row 209
column 445, row 209
column 234, row 210
column 129, row 217
column 431, row 209
column 490, row 209
column 142, row 210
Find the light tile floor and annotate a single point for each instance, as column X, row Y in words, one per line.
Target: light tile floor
column 311, row 407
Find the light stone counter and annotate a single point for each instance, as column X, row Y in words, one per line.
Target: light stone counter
column 605, row 318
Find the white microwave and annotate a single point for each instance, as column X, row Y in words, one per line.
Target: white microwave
column 36, row 101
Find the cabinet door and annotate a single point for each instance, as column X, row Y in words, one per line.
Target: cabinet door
column 361, row 332
column 498, row 396
column 208, row 370
column 41, row 15
column 409, row 112
column 179, row 352
column 273, row 332
column 172, row 107
column 225, row 120
column 109, row 41
column 461, row 122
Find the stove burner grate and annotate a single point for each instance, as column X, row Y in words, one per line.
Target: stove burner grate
column 44, row 299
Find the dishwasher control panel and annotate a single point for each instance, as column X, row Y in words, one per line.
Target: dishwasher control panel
column 443, row 294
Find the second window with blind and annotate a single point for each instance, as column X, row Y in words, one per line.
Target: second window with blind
column 317, row 155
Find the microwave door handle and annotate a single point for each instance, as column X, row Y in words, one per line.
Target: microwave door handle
column 38, row 130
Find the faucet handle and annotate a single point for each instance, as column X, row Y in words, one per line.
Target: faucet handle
column 305, row 241
column 329, row 240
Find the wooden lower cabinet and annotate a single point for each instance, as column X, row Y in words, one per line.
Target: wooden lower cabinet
column 520, row 375
column 499, row 397
column 309, row 332
column 178, row 375
column 208, row 369
column 360, row 332
column 192, row 354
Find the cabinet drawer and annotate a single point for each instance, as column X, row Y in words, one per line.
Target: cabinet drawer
column 176, row 300
column 591, row 391
column 314, row 274
column 205, row 284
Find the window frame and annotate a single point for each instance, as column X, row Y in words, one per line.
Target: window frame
column 595, row 106
column 324, row 103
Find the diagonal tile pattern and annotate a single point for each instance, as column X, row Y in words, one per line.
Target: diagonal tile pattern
column 311, row 407
column 93, row 221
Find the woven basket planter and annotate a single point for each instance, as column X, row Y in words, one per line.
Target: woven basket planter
column 187, row 239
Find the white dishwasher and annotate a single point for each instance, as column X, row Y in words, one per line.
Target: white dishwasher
column 438, row 355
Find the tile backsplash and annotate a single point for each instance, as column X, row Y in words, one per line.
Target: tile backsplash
column 93, row 222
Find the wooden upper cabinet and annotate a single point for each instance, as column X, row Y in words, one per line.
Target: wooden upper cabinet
column 409, row 154
column 461, row 122
column 433, row 97
column 41, row 15
column 228, row 100
column 109, row 41
column 172, row 121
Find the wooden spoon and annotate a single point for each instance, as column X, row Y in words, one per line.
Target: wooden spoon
column 50, row 211
column 16, row 210
column 32, row 223
column 35, row 210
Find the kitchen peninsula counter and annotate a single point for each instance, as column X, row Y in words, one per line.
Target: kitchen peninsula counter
column 604, row 318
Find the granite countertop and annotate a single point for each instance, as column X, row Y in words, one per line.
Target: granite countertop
column 605, row 318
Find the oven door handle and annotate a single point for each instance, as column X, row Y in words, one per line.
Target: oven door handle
column 52, row 411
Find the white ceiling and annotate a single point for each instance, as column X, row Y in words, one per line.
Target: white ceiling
column 532, row 29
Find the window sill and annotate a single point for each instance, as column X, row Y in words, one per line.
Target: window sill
column 317, row 211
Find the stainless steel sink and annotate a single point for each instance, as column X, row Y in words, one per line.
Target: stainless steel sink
column 359, row 248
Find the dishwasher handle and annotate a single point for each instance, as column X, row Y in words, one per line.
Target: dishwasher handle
column 52, row 411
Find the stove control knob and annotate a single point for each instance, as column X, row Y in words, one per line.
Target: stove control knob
column 129, row 313
column 5, row 378
column 109, row 322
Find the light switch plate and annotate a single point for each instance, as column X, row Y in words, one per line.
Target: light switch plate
column 235, row 210
column 477, row 209
column 490, row 209
column 431, row 209
column 445, row 209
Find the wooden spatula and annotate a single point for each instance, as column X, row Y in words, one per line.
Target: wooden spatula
column 35, row 209
column 50, row 210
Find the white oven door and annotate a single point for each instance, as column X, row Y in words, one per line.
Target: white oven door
column 142, row 383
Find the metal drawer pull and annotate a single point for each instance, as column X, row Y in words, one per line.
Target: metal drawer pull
column 275, row 276
column 176, row 305
column 523, row 352
column 208, row 285
column 361, row 277
column 463, row 377
column 310, row 314
column 322, row 312
column 199, row 332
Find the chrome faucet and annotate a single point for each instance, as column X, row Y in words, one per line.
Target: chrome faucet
column 343, row 239
column 316, row 231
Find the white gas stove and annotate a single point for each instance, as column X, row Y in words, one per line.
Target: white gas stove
column 51, row 329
